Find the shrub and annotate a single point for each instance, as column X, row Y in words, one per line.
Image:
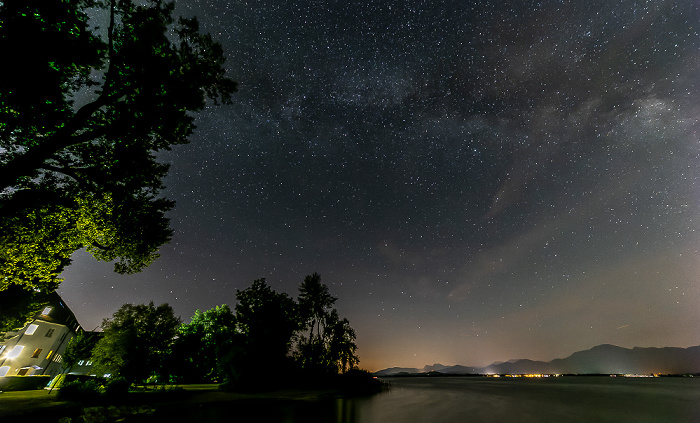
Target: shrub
column 117, row 388
column 360, row 382
column 87, row 391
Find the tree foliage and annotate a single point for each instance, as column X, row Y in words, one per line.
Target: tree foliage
column 18, row 305
column 136, row 342
column 79, row 347
column 81, row 120
column 314, row 302
column 269, row 338
column 203, row 343
column 329, row 346
column 267, row 321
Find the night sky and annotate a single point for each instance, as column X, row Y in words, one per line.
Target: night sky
column 475, row 181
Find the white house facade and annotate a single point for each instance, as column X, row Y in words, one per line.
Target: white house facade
column 37, row 348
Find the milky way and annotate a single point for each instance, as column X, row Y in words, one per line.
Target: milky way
column 475, row 181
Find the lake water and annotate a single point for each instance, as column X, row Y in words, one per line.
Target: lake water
column 564, row 399
column 476, row 399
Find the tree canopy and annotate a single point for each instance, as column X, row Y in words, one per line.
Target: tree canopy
column 267, row 321
column 82, row 117
column 18, row 306
column 136, row 341
column 329, row 346
column 79, row 347
column 202, row 344
column 269, row 340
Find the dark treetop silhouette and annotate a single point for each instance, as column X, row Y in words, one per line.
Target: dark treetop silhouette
column 136, row 342
column 261, row 345
column 81, row 118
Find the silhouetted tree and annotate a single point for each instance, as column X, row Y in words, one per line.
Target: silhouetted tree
column 340, row 355
column 203, row 343
column 136, row 342
column 81, row 119
column 314, row 302
column 266, row 322
column 332, row 348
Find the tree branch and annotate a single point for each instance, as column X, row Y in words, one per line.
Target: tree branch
column 27, row 164
column 61, row 170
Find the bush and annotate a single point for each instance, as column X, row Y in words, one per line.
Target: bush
column 360, row 382
column 87, row 391
column 117, row 388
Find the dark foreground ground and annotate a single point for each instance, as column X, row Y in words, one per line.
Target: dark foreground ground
column 414, row 400
column 42, row 405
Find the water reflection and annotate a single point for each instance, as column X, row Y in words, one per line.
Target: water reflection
column 436, row 400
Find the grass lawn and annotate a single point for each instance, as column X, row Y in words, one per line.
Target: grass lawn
column 44, row 405
column 35, row 403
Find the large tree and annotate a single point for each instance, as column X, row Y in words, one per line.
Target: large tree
column 79, row 347
column 83, row 114
column 202, row 344
column 315, row 301
column 136, row 342
column 326, row 343
column 266, row 322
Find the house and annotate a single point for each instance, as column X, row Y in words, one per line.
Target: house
column 37, row 348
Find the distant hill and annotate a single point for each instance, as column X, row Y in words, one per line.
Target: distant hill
column 602, row 359
column 397, row 370
column 434, row 368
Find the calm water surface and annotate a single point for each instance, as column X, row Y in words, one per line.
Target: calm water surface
column 470, row 399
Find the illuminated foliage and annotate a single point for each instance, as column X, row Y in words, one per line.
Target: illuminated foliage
column 201, row 344
column 136, row 341
column 79, row 348
column 37, row 240
column 81, row 120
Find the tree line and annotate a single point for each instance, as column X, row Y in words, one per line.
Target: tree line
column 268, row 340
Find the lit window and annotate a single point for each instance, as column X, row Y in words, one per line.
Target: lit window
column 48, row 356
column 46, row 311
column 88, row 363
column 15, row 351
column 31, row 329
column 4, row 370
column 50, row 333
column 80, row 363
column 2, row 348
column 36, row 353
column 57, row 358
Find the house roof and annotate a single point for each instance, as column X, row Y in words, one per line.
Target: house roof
column 58, row 313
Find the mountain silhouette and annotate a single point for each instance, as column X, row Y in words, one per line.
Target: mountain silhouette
column 601, row 359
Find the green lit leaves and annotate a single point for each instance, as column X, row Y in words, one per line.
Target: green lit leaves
column 35, row 246
column 87, row 172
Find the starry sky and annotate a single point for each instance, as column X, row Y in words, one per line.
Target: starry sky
column 474, row 180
